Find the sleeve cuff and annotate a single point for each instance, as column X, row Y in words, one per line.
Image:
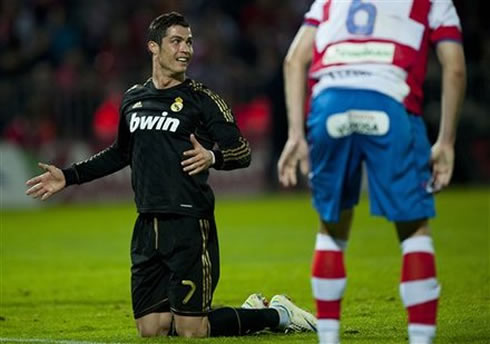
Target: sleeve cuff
column 218, row 159
column 71, row 176
column 311, row 22
column 213, row 157
column 452, row 33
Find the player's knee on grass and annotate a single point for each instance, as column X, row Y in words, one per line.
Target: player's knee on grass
column 154, row 324
column 191, row 327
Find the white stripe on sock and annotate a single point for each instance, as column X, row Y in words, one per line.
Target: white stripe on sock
column 328, row 289
column 328, row 331
column 325, row 242
column 328, row 325
column 421, row 334
column 420, row 291
column 421, row 243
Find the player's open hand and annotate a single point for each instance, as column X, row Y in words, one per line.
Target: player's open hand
column 198, row 158
column 295, row 151
column 442, row 160
column 46, row 184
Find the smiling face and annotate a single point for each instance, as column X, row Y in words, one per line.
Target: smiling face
column 173, row 54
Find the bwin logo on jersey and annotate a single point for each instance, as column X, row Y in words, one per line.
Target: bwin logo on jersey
column 162, row 122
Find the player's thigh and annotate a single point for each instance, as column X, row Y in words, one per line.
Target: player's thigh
column 154, row 324
column 191, row 326
column 398, row 166
column 193, row 259
column 149, row 275
column 335, row 163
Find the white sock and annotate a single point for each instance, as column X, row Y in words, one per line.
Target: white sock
column 328, row 331
column 284, row 318
column 421, row 334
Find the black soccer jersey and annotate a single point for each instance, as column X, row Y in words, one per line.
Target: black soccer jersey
column 154, row 129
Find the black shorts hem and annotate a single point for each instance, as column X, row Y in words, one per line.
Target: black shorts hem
column 161, row 307
column 189, row 314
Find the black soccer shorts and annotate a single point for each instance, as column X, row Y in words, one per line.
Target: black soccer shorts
column 175, row 264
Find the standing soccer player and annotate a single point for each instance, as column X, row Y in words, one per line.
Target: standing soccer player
column 368, row 62
column 167, row 132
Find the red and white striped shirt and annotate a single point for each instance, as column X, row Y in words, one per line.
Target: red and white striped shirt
column 381, row 45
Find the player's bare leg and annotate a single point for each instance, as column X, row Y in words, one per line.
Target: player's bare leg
column 154, row 324
column 419, row 288
column 329, row 277
column 191, row 327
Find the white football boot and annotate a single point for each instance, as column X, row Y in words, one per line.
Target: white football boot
column 299, row 319
column 255, row 301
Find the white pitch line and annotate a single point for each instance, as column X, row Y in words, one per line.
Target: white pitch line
column 44, row 340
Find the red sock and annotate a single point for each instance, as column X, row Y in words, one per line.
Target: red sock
column 328, row 282
column 419, row 288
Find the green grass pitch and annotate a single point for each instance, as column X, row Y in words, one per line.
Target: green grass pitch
column 65, row 270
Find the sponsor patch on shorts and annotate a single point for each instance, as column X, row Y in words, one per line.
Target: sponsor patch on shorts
column 358, row 121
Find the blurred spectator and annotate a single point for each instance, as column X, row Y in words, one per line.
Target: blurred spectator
column 106, row 118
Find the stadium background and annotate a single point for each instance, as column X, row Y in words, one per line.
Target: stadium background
column 63, row 68
column 65, row 64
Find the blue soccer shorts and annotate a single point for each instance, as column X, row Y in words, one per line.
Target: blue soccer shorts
column 347, row 127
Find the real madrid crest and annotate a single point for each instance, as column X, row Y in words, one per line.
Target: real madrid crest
column 177, row 105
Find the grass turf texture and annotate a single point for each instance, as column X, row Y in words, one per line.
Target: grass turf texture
column 65, row 269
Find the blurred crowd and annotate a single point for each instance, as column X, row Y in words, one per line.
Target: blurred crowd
column 64, row 65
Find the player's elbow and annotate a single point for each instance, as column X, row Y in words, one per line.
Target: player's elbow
column 246, row 158
column 452, row 60
column 456, row 76
column 296, row 60
column 247, row 161
column 237, row 163
column 243, row 156
column 458, row 72
column 236, row 156
column 242, row 162
column 290, row 63
column 286, row 63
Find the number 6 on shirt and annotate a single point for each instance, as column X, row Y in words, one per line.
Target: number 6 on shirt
column 361, row 29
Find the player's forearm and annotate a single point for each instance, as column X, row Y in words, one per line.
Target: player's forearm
column 294, row 84
column 99, row 165
column 453, row 86
column 451, row 56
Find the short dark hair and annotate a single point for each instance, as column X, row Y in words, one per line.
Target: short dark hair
column 158, row 27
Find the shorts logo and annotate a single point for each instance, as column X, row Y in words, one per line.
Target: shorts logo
column 359, row 122
column 162, row 122
column 177, row 105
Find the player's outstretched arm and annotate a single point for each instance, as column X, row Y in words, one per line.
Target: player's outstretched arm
column 198, row 158
column 295, row 151
column 451, row 57
column 47, row 184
